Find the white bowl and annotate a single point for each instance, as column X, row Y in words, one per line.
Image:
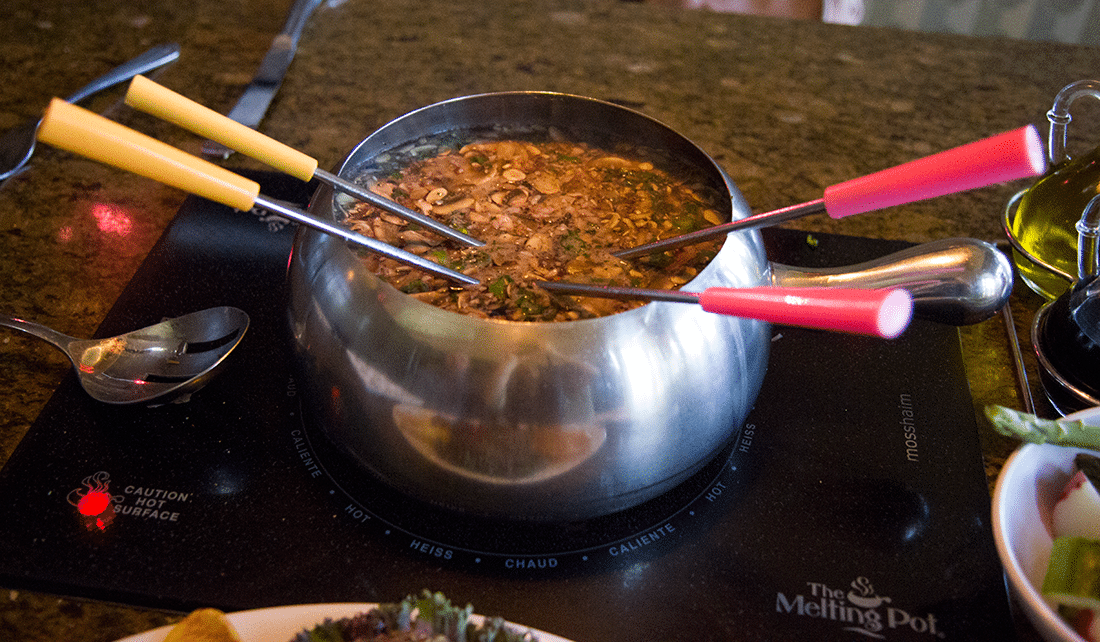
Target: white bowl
column 1023, row 500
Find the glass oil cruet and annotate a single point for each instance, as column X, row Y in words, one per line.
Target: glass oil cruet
column 1064, row 333
column 1040, row 221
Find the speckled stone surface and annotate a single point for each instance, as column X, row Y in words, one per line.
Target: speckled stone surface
column 787, row 107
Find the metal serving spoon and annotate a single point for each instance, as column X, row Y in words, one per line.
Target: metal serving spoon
column 163, row 362
column 17, row 145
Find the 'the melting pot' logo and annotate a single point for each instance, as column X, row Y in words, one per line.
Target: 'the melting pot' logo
column 857, row 609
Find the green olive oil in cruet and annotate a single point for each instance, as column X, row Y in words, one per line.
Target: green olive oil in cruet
column 1041, row 220
column 1044, row 220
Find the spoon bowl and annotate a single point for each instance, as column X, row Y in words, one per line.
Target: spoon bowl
column 163, row 362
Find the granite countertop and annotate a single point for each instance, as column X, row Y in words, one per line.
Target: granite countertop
column 788, row 107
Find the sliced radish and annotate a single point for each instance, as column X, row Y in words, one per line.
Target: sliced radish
column 1077, row 513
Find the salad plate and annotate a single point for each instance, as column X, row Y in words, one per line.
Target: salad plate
column 1026, row 491
column 282, row 623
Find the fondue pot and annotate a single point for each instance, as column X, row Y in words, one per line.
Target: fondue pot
column 559, row 420
column 524, row 420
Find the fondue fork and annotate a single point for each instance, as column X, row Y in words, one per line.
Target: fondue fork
column 86, row 133
column 157, row 100
column 884, row 312
column 1004, row 157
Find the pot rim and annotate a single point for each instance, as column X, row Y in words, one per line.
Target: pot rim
column 732, row 201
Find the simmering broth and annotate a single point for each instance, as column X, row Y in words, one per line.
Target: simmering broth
column 547, row 210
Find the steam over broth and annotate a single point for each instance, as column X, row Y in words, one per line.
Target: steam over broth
column 547, row 210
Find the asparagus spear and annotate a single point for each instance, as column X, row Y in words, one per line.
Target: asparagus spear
column 1028, row 427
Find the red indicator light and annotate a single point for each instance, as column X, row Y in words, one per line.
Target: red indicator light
column 94, row 503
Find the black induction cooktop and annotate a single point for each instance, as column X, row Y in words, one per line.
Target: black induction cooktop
column 852, row 505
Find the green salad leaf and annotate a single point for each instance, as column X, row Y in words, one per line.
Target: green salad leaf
column 327, row 631
column 427, row 612
column 444, row 618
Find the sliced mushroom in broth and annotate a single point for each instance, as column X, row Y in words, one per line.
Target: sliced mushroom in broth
column 547, row 210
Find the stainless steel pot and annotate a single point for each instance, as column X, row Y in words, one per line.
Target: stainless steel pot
column 540, row 420
column 526, row 420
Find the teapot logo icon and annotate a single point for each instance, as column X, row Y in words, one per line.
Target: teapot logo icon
column 94, row 502
column 863, row 594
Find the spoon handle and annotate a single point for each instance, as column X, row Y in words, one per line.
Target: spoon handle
column 53, row 337
column 956, row 281
column 156, row 57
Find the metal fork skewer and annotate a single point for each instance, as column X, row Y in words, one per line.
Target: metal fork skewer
column 364, row 194
column 374, row 245
column 759, row 220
